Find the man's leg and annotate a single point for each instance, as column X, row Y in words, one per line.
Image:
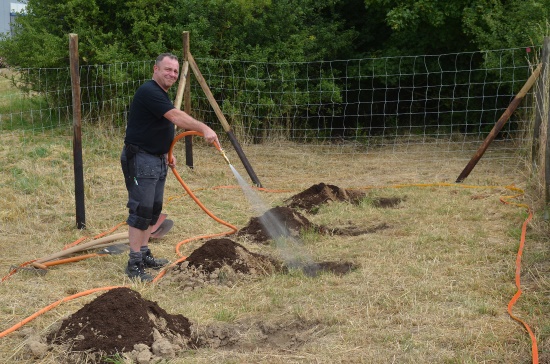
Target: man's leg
column 138, row 238
column 148, row 260
column 141, row 175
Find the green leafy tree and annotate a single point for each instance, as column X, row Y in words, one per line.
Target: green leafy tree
column 114, row 31
column 505, row 24
column 422, row 26
column 266, row 30
column 108, row 31
column 434, row 26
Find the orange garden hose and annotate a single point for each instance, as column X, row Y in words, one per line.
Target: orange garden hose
column 534, row 348
column 512, row 302
column 192, row 195
column 43, row 265
column 51, row 306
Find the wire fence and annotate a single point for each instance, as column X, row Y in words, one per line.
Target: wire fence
column 346, row 106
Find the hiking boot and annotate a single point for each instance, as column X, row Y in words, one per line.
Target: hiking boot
column 137, row 270
column 151, row 262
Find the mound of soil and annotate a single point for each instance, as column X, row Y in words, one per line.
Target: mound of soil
column 322, row 193
column 121, row 321
column 285, row 222
column 216, row 253
column 220, row 261
column 224, row 262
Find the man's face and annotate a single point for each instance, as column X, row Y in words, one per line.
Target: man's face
column 166, row 73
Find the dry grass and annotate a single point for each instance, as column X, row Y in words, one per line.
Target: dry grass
column 432, row 288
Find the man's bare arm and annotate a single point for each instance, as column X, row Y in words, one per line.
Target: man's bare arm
column 187, row 122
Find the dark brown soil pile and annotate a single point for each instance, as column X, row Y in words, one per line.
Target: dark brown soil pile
column 321, row 193
column 285, row 222
column 117, row 321
column 216, row 253
column 220, row 262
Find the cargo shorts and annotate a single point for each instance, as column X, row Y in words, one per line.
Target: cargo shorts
column 145, row 177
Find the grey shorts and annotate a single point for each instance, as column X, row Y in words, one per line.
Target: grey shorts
column 145, row 177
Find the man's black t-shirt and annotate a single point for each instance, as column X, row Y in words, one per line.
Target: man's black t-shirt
column 147, row 127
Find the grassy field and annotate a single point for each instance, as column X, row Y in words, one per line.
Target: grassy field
column 431, row 288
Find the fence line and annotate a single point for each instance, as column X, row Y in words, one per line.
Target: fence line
column 452, row 100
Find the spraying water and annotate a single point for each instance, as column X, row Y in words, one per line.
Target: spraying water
column 290, row 247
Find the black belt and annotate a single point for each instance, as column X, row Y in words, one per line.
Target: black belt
column 134, row 149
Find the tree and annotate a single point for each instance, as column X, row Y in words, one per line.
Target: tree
column 112, row 30
column 506, row 24
column 422, row 26
column 262, row 30
column 108, row 31
column 434, row 26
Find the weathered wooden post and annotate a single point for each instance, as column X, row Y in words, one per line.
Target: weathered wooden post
column 499, row 124
column 187, row 102
column 539, row 106
column 77, row 133
column 543, row 117
column 223, row 120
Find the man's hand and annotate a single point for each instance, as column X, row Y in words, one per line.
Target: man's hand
column 210, row 136
column 172, row 163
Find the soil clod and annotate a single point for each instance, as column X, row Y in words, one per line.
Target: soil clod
column 216, row 253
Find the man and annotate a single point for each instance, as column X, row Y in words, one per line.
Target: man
column 149, row 134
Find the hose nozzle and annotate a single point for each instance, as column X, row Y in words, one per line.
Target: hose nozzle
column 225, row 156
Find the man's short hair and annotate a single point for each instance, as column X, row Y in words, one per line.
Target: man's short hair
column 164, row 55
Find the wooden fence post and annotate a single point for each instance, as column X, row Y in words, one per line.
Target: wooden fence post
column 187, row 102
column 543, row 118
column 499, row 124
column 539, row 106
column 77, row 133
column 223, row 120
